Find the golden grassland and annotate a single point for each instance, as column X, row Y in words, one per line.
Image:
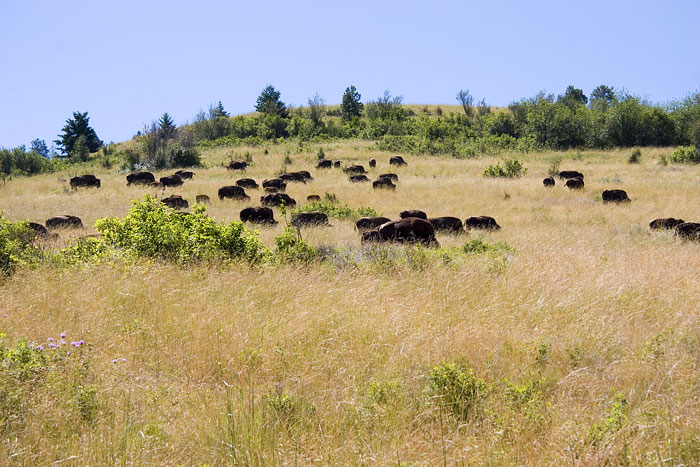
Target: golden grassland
column 329, row 364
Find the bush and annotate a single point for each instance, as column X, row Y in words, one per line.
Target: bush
column 153, row 230
column 512, row 169
column 634, row 157
column 16, row 246
column 458, row 389
column 685, row 155
column 292, row 248
column 332, row 208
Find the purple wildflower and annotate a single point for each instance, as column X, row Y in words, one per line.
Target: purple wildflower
column 114, row 361
column 81, row 342
column 40, row 347
column 123, row 360
column 63, row 342
column 63, row 335
column 50, row 339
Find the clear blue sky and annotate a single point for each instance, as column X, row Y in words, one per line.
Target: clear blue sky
column 127, row 62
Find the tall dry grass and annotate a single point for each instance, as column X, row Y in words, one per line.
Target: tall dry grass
column 330, row 363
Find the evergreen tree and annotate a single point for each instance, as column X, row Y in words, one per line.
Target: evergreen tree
column 73, row 129
column 39, row 146
column 166, row 126
column 217, row 111
column 351, row 106
column 572, row 97
column 602, row 97
column 269, row 103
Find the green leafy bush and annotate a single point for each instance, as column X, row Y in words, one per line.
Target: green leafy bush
column 477, row 246
column 634, row 157
column 153, row 230
column 16, row 246
column 685, row 155
column 458, row 389
column 292, row 248
column 333, row 208
column 512, row 168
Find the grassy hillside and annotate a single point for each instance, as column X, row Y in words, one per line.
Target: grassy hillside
column 570, row 336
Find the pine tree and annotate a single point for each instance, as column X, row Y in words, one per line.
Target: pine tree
column 73, row 129
column 166, row 126
column 351, row 106
column 269, row 102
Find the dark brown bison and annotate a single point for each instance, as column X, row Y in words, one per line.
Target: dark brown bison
column 301, row 176
column 549, row 181
column 64, row 222
column 615, row 196
column 313, row 198
column 574, row 184
column 689, row 230
column 317, row 218
column 247, row 183
column 275, row 183
column 324, row 164
column 370, row 223
column 390, row 176
column 203, row 199
column 336, row 164
column 447, row 224
column 665, row 223
column 481, row 222
column 275, row 199
column 237, row 165
column 383, row 183
column 171, row 180
column 373, row 162
column 371, row 236
column 258, row 215
column 185, row 174
column 410, row 230
column 397, row 160
column 175, row 202
column 156, row 185
column 140, row 178
column 38, row 229
column 359, row 178
column 233, row 192
column 570, row 174
column 413, row 213
column 355, row 170
column 271, row 189
column 85, row 181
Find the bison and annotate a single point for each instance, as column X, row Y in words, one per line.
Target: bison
column 615, row 196
column 570, row 174
column 202, row 199
column 233, row 192
column 313, row 198
column 140, row 178
column 370, row 223
column 383, row 183
column 275, row 199
column 302, row 176
column 38, row 229
column 258, row 215
column 317, row 218
column 359, row 178
column 574, row 184
column 247, row 183
column 390, row 176
column 397, row 160
column 277, row 183
column 370, row 236
column 665, row 223
column 85, row 181
column 355, row 170
column 410, row 230
column 447, row 224
column 237, row 165
column 336, row 164
column 64, row 222
column 689, row 230
column 548, row 182
column 171, row 180
column 185, row 174
column 481, row 222
column 373, row 162
column 175, row 202
column 413, row 213
column 324, row 164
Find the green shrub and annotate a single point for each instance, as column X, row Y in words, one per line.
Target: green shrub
column 685, row 155
column 477, row 246
column 512, row 168
column 16, row 246
column 459, row 390
column 634, row 157
column 616, row 416
column 292, row 248
column 153, row 230
column 554, row 164
column 332, row 208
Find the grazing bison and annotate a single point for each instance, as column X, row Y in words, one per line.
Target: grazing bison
column 665, row 223
column 370, row 223
column 318, row 218
column 277, row 183
column 481, row 222
column 64, row 222
column 689, row 230
column 390, row 176
column 370, row 236
column 301, row 176
column 549, row 181
column 271, row 189
column 185, row 174
column 258, row 215
column 574, row 184
column 175, row 202
column 202, row 199
column 355, row 169
column 447, row 224
column 383, row 183
column 247, row 183
column 359, row 178
column 397, row 160
column 156, row 185
column 140, row 178
column 411, row 230
column 413, row 213
column 237, row 165
column 615, row 196
column 312, row 198
column 570, row 174
column 336, row 164
column 171, row 180
column 233, row 192
column 324, row 164
column 38, row 229
column 373, row 162
column 85, row 181
column 275, row 199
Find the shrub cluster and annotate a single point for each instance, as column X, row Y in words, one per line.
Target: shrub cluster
column 511, row 168
column 331, row 206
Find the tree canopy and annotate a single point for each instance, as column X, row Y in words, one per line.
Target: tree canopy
column 74, row 128
column 351, row 106
column 269, row 102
